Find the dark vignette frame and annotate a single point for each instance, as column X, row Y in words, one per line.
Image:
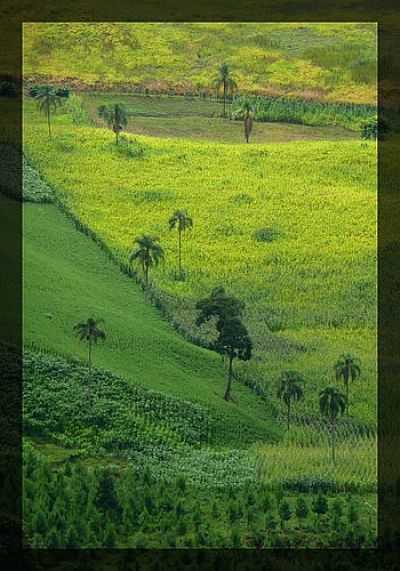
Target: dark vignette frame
column 388, row 294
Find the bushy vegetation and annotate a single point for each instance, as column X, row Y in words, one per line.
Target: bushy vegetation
column 107, row 507
column 291, row 110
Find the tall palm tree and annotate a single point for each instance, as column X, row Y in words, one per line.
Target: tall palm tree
column 115, row 116
column 225, row 81
column 90, row 332
column 48, row 100
column 348, row 368
column 332, row 404
column 247, row 110
column 290, row 389
column 148, row 253
column 182, row 221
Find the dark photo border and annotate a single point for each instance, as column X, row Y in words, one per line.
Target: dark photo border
column 385, row 556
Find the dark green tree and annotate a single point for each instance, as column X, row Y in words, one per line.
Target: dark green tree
column 332, row 404
column 301, row 508
column 320, row 506
column 148, row 254
column 48, row 100
column 347, row 368
column 285, row 513
column 290, row 389
column 182, row 221
column 90, row 332
column 115, row 116
column 234, row 342
column 226, row 82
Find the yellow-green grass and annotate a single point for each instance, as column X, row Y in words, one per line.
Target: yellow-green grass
column 68, row 279
column 310, row 294
column 326, row 61
column 306, row 454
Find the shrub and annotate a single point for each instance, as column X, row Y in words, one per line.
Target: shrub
column 266, row 235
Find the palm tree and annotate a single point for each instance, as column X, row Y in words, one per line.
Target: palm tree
column 225, row 81
column 290, row 389
column 148, row 253
column 48, row 100
column 90, row 331
column 348, row 368
column 332, row 404
column 181, row 220
column 115, row 116
column 247, row 110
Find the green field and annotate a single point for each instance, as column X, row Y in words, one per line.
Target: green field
column 310, row 292
column 141, row 347
column 323, row 61
column 178, row 117
column 141, row 449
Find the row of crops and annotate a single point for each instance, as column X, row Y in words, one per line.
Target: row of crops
column 290, row 110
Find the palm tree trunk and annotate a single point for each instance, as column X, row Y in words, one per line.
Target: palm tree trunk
column 334, row 442
column 230, row 371
column 347, row 397
column 90, row 355
column 224, row 98
column 288, row 416
column 146, row 275
column 180, row 252
column 48, row 120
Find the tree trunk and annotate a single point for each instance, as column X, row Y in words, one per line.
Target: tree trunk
column 48, row 120
column 90, row 355
column 288, row 416
column 347, row 396
column 334, row 442
column 180, row 252
column 146, row 275
column 224, row 98
column 230, row 371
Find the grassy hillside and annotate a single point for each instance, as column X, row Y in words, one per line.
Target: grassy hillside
column 326, row 61
column 289, row 228
column 81, row 281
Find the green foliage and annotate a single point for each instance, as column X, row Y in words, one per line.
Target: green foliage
column 266, row 234
column 293, row 110
column 76, row 108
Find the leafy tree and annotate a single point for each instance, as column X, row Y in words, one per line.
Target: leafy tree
column 226, row 82
column 115, row 116
column 290, row 389
column 106, row 497
column 285, row 513
column 348, row 368
column 234, row 342
column 90, row 332
column 320, row 506
column 48, row 100
column 301, row 508
column 148, row 254
column 219, row 305
column 182, row 221
column 236, row 539
column 271, row 521
column 332, row 404
column 352, row 514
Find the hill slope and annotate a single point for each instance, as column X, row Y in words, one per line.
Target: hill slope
column 326, row 61
column 81, row 281
column 290, row 228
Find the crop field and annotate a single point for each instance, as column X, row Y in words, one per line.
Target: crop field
column 298, row 244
